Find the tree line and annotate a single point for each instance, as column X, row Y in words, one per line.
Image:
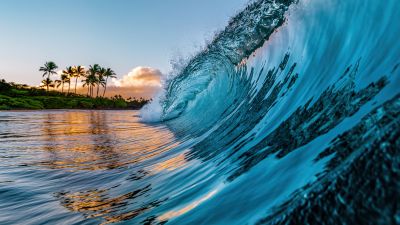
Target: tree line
column 93, row 78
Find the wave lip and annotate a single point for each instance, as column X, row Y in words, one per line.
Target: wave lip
column 245, row 33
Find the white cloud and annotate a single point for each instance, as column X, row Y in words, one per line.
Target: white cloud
column 140, row 77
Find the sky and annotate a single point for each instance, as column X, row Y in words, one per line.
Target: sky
column 122, row 34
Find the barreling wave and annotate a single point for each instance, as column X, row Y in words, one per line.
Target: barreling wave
column 296, row 105
column 245, row 33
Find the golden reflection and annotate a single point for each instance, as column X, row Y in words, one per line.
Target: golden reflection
column 175, row 213
column 100, row 140
column 170, row 164
column 98, row 204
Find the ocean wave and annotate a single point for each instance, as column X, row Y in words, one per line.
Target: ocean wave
column 288, row 81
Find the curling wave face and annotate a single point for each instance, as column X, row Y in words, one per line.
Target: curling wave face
column 290, row 100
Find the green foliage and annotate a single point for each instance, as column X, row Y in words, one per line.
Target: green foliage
column 119, row 102
column 86, row 104
column 15, row 96
column 34, row 104
column 4, row 107
column 16, row 92
column 4, row 86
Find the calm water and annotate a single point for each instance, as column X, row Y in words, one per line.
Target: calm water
column 80, row 166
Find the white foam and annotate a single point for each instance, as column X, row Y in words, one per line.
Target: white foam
column 152, row 112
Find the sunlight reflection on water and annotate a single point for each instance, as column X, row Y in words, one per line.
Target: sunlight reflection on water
column 54, row 152
column 95, row 140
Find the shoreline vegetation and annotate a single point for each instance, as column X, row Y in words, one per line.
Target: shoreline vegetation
column 22, row 97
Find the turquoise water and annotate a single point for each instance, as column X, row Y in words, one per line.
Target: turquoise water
column 290, row 116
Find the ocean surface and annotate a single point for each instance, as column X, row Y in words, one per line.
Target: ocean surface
column 291, row 115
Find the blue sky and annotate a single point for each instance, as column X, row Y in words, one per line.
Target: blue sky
column 121, row 34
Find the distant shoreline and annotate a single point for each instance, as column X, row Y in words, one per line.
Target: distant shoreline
column 20, row 97
column 64, row 109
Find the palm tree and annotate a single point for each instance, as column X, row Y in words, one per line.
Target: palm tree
column 48, row 69
column 66, row 76
column 100, row 79
column 108, row 74
column 86, row 82
column 65, row 79
column 47, row 82
column 91, row 77
column 68, row 73
column 79, row 71
column 93, row 82
column 58, row 83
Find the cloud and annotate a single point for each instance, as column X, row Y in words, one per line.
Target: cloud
column 140, row 82
column 140, row 78
column 143, row 82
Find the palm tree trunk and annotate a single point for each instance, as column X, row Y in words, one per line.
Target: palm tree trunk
column 105, row 88
column 76, row 82
column 48, row 77
column 62, row 87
